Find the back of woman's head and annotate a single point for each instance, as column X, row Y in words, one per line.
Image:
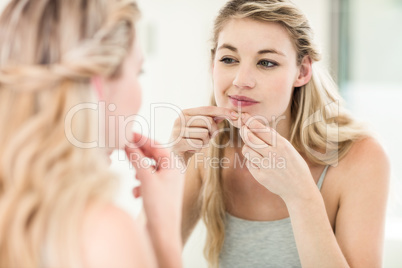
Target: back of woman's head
column 44, row 32
column 49, row 51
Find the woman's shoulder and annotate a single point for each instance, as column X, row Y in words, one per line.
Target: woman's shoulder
column 366, row 153
column 112, row 238
column 366, row 160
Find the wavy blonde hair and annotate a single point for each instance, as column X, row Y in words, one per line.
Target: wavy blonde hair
column 320, row 127
column 49, row 50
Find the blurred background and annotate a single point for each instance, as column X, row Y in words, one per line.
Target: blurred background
column 361, row 43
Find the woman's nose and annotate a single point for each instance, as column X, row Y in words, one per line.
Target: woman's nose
column 245, row 78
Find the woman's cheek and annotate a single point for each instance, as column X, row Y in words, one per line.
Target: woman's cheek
column 127, row 117
column 131, row 99
column 137, row 98
column 220, row 85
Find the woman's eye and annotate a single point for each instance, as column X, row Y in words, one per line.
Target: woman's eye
column 228, row 60
column 266, row 63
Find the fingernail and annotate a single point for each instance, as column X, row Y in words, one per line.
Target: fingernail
column 234, row 114
column 243, row 116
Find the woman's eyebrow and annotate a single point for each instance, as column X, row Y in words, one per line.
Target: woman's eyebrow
column 227, row 46
column 272, row 51
column 264, row 51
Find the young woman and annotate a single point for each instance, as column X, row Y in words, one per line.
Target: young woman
column 58, row 60
column 280, row 173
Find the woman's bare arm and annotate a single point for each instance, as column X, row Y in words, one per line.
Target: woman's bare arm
column 359, row 226
column 361, row 217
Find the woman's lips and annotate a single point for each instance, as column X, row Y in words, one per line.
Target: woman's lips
column 241, row 101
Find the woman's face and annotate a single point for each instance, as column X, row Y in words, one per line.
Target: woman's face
column 123, row 100
column 255, row 69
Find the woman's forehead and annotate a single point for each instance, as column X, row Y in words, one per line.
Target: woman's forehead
column 256, row 35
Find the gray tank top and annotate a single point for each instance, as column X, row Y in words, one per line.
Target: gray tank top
column 260, row 243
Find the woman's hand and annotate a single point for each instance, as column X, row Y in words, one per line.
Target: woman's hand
column 274, row 162
column 161, row 188
column 161, row 182
column 195, row 127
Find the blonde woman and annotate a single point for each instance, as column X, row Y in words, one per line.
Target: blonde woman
column 280, row 173
column 60, row 63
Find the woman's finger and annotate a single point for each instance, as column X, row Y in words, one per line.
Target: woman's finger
column 251, row 166
column 151, row 149
column 202, row 122
column 143, row 165
column 137, row 191
column 251, row 139
column 212, row 111
column 197, row 133
column 251, row 155
column 213, row 114
column 259, row 126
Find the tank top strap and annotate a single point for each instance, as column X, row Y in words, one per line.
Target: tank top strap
column 321, row 179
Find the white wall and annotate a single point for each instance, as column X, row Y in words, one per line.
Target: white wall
column 3, row 3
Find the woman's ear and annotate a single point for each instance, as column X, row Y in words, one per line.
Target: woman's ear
column 97, row 84
column 305, row 72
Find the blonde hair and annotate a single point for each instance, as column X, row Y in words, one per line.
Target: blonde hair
column 49, row 50
column 320, row 127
